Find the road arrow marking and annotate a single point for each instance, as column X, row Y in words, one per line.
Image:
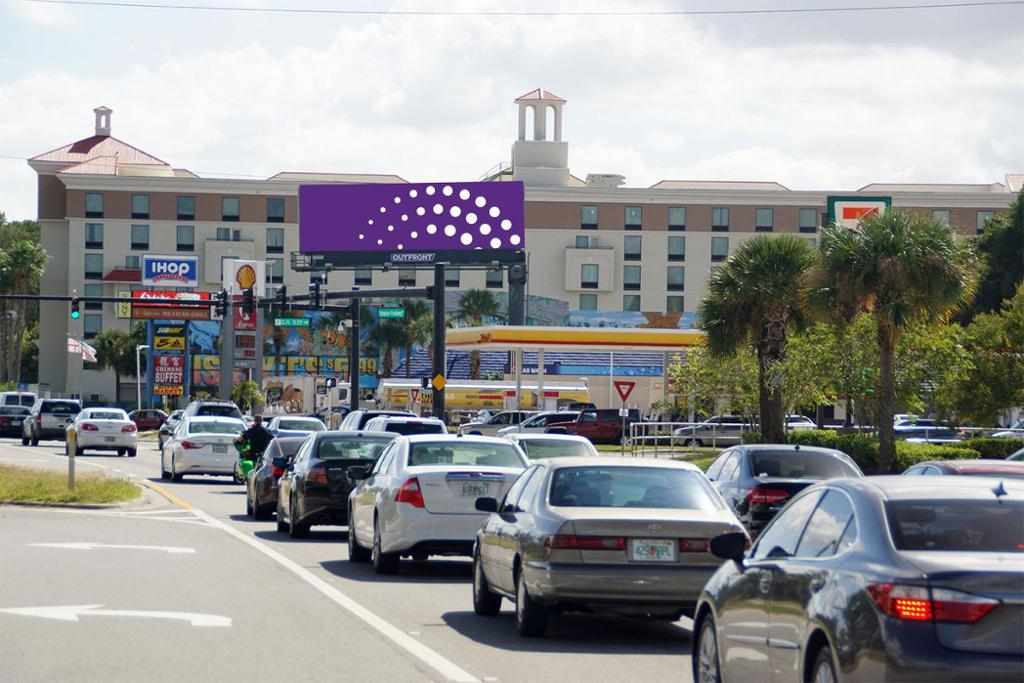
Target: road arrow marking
column 72, row 612
column 92, row 546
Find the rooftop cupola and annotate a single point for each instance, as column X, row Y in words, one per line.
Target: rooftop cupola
column 539, row 155
column 103, row 120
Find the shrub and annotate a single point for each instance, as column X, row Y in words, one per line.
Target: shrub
column 752, row 437
column 908, row 454
column 863, row 448
column 992, row 448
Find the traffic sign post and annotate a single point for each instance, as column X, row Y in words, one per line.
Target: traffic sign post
column 623, row 388
column 291, row 322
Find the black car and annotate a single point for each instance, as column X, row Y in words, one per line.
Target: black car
column 758, row 480
column 261, row 484
column 872, row 579
column 315, row 486
column 11, row 418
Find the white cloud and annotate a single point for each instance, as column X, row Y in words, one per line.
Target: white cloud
column 43, row 14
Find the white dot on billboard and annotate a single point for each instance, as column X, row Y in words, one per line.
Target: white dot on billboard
column 382, row 209
column 455, row 212
column 391, row 228
column 466, row 238
column 398, row 200
column 514, row 239
column 481, row 202
column 430, row 189
column 463, row 194
column 369, row 222
column 485, row 229
column 449, row 230
column 399, row 247
column 438, row 209
column 506, row 224
column 414, row 234
column 413, row 193
column 420, row 211
column 447, row 190
column 495, row 212
column 380, row 242
column 495, row 243
column 471, row 218
column 361, row 235
column 431, row 229
column 405, row 217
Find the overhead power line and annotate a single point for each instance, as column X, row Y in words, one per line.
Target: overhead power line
column 532, row 13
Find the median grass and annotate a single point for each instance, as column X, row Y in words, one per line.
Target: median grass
column 47, row 487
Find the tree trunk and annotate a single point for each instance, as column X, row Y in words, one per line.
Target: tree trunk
column 474, row 364
column 408, row 362
column 770, row 397
column 884, row 404
column 117, row 388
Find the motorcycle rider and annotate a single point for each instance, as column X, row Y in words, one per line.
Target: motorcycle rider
column 257, row 437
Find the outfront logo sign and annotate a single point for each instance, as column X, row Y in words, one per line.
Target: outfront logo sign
column 170, row 271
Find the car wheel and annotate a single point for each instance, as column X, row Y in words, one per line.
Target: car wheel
column 282, row 526
column 259, row 511
column 132, row 452
column 164, row 474
column 824, row 670
column 24, row 441
column 356, row 552
column 706, row 667
column 35, row 441
column 531, row 616
column 249, row 511
column 120, row 452
column 75, row 447
column 485, row 603
column 296, row 529
column 175, row 476
column 383, row 563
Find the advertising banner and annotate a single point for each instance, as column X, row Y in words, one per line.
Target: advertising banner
column 169, row 369
column 168, row 343
column 848, row 211
column 243, row 321
column 170, row 271
column 166, row 311
column 168, row 390
column 239, row 275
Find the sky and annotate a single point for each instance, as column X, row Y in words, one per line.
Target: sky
column 816, row 101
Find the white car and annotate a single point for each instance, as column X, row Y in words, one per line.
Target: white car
column 542, row 446
column 419, row 498
column 799, row 423
column 1014, row 432
column 496, row 422
column 201, row 445
column 538, row 424
column 406, row 426
column 288, row 425
column 102, row 429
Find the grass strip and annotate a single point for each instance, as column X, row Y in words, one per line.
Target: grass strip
column 28, row 485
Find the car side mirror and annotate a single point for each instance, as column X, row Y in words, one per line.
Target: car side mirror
column 730, row 546
column 280, row 462
column 487, row 504
column 358, row 472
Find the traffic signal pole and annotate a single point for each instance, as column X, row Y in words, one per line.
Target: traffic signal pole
column 439, row 340
column 227, row 351
column 353, row 356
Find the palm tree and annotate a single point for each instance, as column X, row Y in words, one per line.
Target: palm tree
column 900, row 268
column 753, row 300
column 474, row 306
column 419, row 328
column 115, row 350
column 389, row 335
column 247, row 395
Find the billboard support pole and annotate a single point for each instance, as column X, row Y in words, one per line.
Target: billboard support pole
column 257, row 373
column 227, row 351
column 517, row 294
column 439, row 338
column 353, row 356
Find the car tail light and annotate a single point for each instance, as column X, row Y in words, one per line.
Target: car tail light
column 693, row 545
column 916, row 603
column 39, row 417
column 571, row 542
column 190, row 445
column 129, row 428
column 276, row 472
column 410, row 493
column 317, row 476
column 766, row 495
column 86, row 427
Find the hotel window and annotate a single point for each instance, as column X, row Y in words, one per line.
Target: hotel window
column 140, row 206
column 632, row 248
column 229, row 209
column 674, row 304
column 719, row 248
column 588, row 276
column 676, row 248
column 140, row 237
column 764, row 220
column 93, row 290
column 93, row 235
column 186, row 238
column 494, row 279
column 94, row 205
column 677, row 218
column 631, row 302
column 983, row 218
column 275, row 270
column 942, row 216
column 588, row 217
column 186, row 207
column 588, row 302
column 132, row 261
column 275, row 210
column 631, row 278
column 406, row 277
column 451, row 276
column 808, row 220
column 223, row 235
column 275, row 240
column 94, row 266
column 720, row 219
column 91, row 325
column 634, row 217
column 582, row 242
column 676, row 278
column 364, row 276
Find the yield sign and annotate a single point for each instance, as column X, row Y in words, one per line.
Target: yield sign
column 624, row 388
column 415, row 394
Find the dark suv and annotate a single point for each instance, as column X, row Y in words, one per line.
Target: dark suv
column 49, row 419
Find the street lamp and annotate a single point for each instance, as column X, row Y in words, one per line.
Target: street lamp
column 138, row 375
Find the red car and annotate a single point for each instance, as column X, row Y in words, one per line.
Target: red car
column 147, row 419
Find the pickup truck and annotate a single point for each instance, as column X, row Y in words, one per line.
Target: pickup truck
column 600, row 426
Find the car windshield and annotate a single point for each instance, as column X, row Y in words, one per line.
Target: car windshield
column 800, row 465
column 290, row 447
column 215, row 428
column 464, row 453
column 630, row 487
column 106, row 415
column 408, row 428
column 996, row 473
column 352, row 448
column 968, row 525
column 301, row 425
column 537, row 449
column 59, row 408
column 218, row 411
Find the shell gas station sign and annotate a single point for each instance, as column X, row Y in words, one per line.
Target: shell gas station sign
column 242, row 275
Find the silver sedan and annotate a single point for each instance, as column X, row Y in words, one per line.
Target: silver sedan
column 599, row 534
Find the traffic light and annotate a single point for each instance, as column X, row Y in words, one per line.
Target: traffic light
column 331, row 382
column 282, row 298
column 248, row 302
column 221, row 306
column 75, row 313
column 314, row 293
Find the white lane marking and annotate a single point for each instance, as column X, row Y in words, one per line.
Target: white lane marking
column 15, row 459
column 78, row 461
column 431, row 658
column 72, row 612
column 93, row 546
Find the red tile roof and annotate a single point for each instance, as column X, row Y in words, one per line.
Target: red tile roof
column 99, row 146
column 106, row 165
column 123, row 275
column 539, row 94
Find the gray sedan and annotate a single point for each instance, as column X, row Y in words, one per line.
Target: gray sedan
column 599, row 534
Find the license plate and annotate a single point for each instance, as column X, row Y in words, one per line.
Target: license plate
column 652, row 550
column 474, row 490
column 220, row 449
column 108, row 439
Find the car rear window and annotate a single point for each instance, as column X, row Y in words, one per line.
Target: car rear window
column 218, row 411
column 630, row 487
column 301, row 425
column 465, row 453
column 58, row 408
column 215, row 428
column 362, row 448
column 1001, row 474
column 968, row 525
column 800, row 465
column 14, row 410
column 106, row 415
column 408, row 428
column 537, row 449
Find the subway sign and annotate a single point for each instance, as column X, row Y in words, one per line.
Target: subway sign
column 170, row 271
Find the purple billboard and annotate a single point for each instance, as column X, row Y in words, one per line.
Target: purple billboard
column 411, row 222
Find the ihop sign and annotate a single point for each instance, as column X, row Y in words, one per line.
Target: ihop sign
column 170, row 271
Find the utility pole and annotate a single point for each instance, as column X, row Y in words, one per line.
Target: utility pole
column 439, row 341
column 353, row 356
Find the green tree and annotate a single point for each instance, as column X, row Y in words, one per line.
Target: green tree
column 22, row 261
column 388, row 336
column 419, row 328
column 710, row 382
column 115, row 350
column 902, row 269
column 753, row 301
column 475, row 307
column 1001, row 247
column 247, row 395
